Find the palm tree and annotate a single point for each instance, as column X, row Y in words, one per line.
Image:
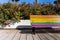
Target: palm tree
column 15, row 1
column 56, row 3
column 36, row 1
column 36, row 4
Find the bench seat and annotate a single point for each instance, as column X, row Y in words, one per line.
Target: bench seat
column 45, row 21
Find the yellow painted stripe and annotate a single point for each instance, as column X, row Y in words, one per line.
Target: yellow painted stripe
column 45, row 18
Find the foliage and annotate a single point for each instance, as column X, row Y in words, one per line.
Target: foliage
column 15, row 12
column 9, row 11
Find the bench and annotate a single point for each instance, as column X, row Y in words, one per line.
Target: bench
column 44, row 21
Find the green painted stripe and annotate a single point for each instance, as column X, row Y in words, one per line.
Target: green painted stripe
column 45, row 22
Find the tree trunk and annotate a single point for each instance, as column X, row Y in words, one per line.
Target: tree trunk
column 36, row 2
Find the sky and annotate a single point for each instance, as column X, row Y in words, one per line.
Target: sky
column 29, row 1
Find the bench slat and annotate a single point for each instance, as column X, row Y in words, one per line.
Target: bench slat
column 45, row 20
column 45, row 25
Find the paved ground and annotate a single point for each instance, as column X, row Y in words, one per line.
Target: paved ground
column 42, row 34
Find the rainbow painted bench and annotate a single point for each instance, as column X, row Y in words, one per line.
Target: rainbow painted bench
column 45, row 21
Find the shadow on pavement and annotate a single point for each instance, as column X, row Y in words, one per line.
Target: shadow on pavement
column 42, row 30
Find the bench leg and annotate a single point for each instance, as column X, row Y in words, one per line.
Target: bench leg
column 33, row 30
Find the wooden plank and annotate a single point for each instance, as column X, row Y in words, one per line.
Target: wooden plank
column 52, row 35
column 48, row 36
column 29, row 37
column 35, row 37
column 1, row 31
column 9, row 32
column 42, row 36
column 45, row 36
column 23, row 36
column 57, row 34
column 11, row 35
column 17, row 36
column 5, row 35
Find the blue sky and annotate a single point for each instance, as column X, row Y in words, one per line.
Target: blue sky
column 29, row 1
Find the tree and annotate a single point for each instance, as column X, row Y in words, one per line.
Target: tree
column 36, row 4
column 36, row 1
column 55, row 2
column 15, row 1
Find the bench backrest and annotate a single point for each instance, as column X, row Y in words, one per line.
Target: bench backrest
column 45, row 20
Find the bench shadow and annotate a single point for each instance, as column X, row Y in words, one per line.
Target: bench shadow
column 42, row 30
column 28, row 30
